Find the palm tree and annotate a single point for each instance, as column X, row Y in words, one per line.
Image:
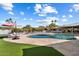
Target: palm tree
column 52, row 25
column 54, row 21
column 9, row 20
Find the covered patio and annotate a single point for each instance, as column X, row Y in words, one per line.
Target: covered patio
column 70, row 28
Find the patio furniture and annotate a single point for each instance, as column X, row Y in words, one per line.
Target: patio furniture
column 13, row 36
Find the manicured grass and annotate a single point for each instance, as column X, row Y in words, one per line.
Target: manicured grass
column 14, row 49
column 41, row 51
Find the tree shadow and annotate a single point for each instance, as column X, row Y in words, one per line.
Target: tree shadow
column 41, row 51
column 1, row 37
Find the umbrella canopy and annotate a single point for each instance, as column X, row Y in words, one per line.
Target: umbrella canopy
column 9, row 24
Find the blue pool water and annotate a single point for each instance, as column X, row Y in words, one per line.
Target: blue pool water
column 40, row 36
column 63, row 36
column 56, row 36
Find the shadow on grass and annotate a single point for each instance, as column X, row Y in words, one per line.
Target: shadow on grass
column 1, row 37
column 41, row 51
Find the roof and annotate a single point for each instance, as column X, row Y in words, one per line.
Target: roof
column 69, row 25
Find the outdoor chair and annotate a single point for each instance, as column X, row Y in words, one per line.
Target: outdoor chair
column 13, row 36
column 10, row 35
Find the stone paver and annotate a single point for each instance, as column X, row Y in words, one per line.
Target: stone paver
column 70, row 48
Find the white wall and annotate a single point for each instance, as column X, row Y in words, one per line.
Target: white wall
column 4, row 32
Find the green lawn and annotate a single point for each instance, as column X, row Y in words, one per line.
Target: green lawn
column 41, row 51
column 14, row 49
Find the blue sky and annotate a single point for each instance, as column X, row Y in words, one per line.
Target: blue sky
column 40, row 14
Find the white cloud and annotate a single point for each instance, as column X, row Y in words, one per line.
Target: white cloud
column 37, row 8
column 64, row 16
column 43, row 21
column 27, row 19
column 7, row 6
column 49, row 9
column 76, row 7
column 42, row 9
column 22, row 13
column 30, row 19
column 70, row 10
column 15, row 18
column 11, row 13
column 52, row 18
column 42, row 14
column 64, row 20
column 47, row 20
column 70, row 16
column 24, row 19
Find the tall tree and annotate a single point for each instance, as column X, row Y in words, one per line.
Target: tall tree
column 52, row 25
column 28, row 28
column 9, row 20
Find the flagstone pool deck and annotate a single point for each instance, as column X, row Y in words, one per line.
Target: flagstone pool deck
column 35, row 41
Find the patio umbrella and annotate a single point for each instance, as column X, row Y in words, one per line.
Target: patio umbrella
column 9, row 24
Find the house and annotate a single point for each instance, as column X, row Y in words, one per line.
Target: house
column 73, row 28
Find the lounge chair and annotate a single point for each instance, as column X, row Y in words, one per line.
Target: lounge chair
column 13, row 36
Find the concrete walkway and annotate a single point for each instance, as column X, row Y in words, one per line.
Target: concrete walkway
column 70, row 48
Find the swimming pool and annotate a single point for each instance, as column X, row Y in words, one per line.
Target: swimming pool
column 55, row 36
column 40, row 36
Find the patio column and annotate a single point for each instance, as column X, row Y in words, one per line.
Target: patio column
column 72, row 29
